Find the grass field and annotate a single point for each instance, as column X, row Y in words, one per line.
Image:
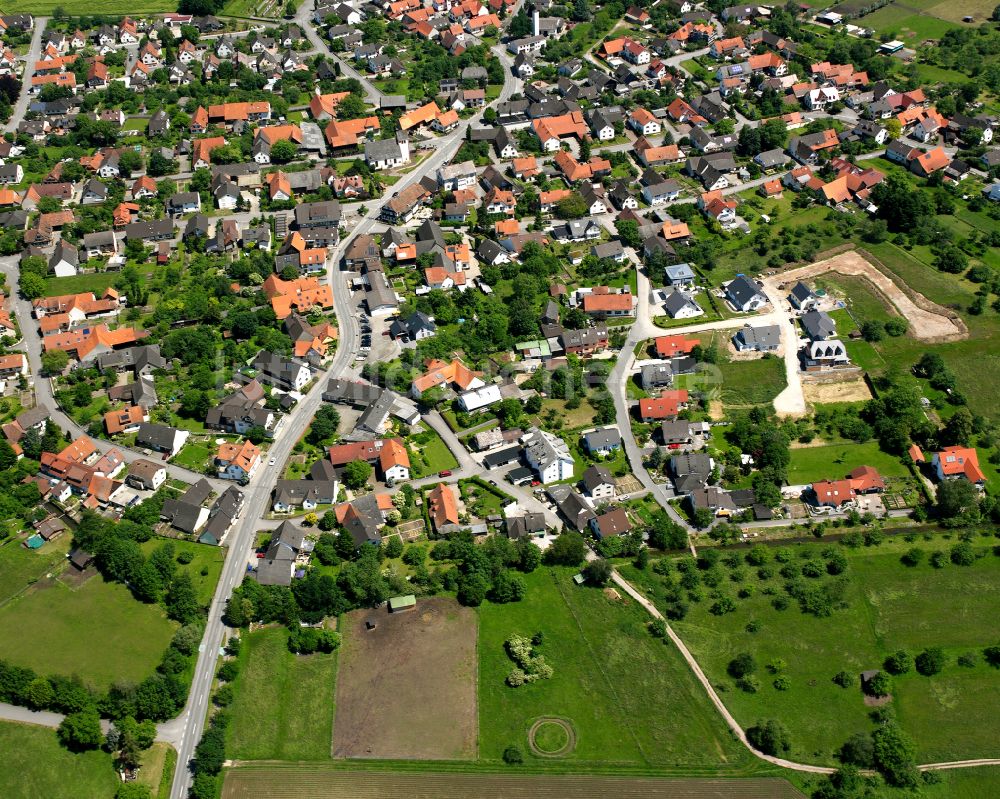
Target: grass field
column 888, row 606
column 98, row 631
column 96, row 282
column 315, row 780
column 836, row 460
column 20, row 566
column 631, row 700
column 407, row 688
column 35, row 765
column 902, row 23
column 206, row 559
column 751, row 382
column 284, row 703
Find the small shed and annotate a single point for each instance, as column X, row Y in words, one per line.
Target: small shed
column 579, row 579
column 399, row 604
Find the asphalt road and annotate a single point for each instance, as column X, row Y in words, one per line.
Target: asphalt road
column 34, row 53
column 190, row 724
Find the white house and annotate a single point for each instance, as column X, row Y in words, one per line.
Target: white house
column 548, row 455
column 237, row 461
column 479, row 398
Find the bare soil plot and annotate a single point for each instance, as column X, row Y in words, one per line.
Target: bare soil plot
column 317, row 782
column 407, row 689
column 846, row 391
column 928, row 320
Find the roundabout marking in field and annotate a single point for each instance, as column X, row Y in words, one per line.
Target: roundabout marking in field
column 567, row 729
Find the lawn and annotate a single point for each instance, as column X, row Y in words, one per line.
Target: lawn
column 195, row 455
column 96, row 282
column 252, row 8
column 20, row 566
column 631, row 700
column 886, row 606
column 283, row 708
column 204, row 569
column 836, row 460
column 37, row 766
column 432, row 456
column 98, row 631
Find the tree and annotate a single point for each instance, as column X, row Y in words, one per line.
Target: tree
column 472, row 589
column 181, row 600
column 955, row 497
column 898, row 662
column 32, row 286
column 80, row 731
column 394, row 547
column 930, row 661
column 283, row 151
column 356, row 474
column 770, row 737
column 567, row 550
column 510, row 411
column 597, row 572
column 529, row 556
column 571, row 207
column 159, row 165
column 894, row 754
column 512, row 756
column 702, row 518
column 507, row 587
column 959, row 429
column 858, row 750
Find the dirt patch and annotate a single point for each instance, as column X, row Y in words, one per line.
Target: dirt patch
column 327, row 781
column 847, row 391
column 928, row 320
column 407, row 688
column 877, row 701
column 612, row 594
column 715, row 410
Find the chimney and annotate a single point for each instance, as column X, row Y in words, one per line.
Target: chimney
column 537, row 25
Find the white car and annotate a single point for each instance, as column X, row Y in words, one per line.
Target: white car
column 272, row 461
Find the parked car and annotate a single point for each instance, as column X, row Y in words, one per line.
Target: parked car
column 445, row 473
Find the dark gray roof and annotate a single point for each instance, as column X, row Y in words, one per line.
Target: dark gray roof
column 818, row 324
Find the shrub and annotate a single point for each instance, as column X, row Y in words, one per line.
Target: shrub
column 742, row 665
column 185, row 556
column 962, row 554
column 512, row 756
column 844, row 679
column 913, row 557
column 858, row 750
column 769, row 737
column 782, row 683
column 930, row 661
column 879, row 685
column 899, row 662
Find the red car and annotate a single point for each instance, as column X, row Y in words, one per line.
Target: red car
column 535, row 483
column 445, row 473
column 674, row 446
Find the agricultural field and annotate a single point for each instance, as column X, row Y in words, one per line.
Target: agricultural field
column 406, row 689
column 631, row 702
column 98, row 631
column 103, row 7
column 284, row 705
column 834, row 461
column 264, row 782
column 36, row 765
column 885, row 606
